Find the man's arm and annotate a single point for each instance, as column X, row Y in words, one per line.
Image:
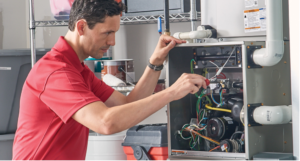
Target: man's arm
column 101, row 119
column 147, row 83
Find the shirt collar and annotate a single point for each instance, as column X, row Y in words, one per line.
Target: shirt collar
column 63, row 47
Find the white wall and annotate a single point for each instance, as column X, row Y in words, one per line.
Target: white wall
column 294, row 47
column 13, row 24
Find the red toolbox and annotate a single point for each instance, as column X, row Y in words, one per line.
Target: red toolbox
column 146, row 142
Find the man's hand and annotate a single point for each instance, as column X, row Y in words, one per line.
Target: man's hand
column 164, row 45
column 185, row 84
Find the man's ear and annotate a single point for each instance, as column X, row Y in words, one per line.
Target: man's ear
column 81, row 26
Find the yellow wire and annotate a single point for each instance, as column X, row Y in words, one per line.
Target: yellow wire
column 226, row 150
column 195, row 126
column 217, row 109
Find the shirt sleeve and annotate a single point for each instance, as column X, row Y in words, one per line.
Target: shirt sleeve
column 66, row 92
column 100, row 89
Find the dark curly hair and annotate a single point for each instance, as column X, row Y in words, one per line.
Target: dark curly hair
column 93, row 11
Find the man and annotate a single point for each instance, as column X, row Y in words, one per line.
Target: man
column 62, row 99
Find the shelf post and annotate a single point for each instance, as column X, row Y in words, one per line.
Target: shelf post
column 32, row 32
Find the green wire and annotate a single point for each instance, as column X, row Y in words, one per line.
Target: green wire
column 207, row 98
column 198, row 111
column 183, row 129
column 192, row 69
column 221, row 102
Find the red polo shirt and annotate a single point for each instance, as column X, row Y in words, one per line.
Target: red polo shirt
column 56, row 87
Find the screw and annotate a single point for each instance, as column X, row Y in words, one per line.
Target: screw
column 284, row 62
column 249, row 67
column 249, row 125
column 284, row 94
column 262, row 104
column 262, row 66
column 284, row 43
column 248, row 105
column 285, row 142
column 248, row 47
column 251, row 43
column 239, row 62
column 238, row 52
column 261, row 46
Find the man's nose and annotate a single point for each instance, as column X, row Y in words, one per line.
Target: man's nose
column 111, row 40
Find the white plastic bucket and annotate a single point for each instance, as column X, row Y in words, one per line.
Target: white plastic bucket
column 106, row 147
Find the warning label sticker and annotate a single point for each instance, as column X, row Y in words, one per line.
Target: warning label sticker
column 255, row 20
column 263, row 21
column 251, row 3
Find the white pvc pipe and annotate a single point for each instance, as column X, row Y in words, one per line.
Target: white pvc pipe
column 204, row 12
column 193, row 35
column 274, row 50
column 273, row 115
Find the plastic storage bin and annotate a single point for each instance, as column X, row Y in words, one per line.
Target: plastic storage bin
column 14, row 68
column 105, row 147
column 6, row 144
column 61, row 8
column 146, row 142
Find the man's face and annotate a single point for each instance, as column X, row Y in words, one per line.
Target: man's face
column 97, row 41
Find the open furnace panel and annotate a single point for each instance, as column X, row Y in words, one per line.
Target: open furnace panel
column 210, row 124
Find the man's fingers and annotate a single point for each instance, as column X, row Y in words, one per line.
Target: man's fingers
column 167, row 39
column 194, row 90
column 170, row 46
column 193, row 76
column 198, row 83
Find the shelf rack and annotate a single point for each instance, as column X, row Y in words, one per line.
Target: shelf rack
column 180, row 17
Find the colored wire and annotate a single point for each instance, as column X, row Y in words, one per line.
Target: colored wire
column 237, row 132
column 229, row 56
column 198, row 107
column 221, row 68
column 217, row 109
column 202, row 116
column 207, row 98
column 217, row 147
column 223, row 75
column 221, row 100
column 192, row 69
column 183, row 127
column 202, row 136
column 212, row 97
column 214, row 64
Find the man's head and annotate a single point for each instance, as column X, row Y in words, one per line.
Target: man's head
column 93, row 11
column 95, row 23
